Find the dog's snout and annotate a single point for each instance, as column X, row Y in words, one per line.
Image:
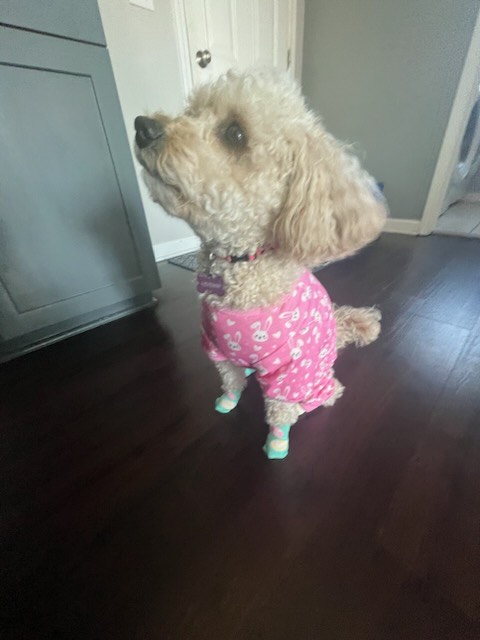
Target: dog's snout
column 147, row 130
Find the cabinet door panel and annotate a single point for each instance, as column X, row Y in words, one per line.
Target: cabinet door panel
column 73, row 237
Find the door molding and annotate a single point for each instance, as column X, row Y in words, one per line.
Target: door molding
column 464, row 98
column 181, row 39
column 297, row 16
column 297, row 23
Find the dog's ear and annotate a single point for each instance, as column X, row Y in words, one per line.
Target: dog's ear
column 332, row 207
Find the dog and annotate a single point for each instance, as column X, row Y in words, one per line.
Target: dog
column 271, row 194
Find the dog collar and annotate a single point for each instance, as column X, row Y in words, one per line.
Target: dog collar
column 246, row 257
column 208, row 283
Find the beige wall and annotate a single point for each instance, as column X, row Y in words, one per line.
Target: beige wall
column 383, row 74
column 147, row 72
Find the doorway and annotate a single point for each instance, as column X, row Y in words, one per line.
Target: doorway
column 214, row 36
column 453, row 204
column 460, row 213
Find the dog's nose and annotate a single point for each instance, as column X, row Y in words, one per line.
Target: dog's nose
column 147, row 130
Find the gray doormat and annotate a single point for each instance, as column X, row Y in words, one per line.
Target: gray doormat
column 187, row 261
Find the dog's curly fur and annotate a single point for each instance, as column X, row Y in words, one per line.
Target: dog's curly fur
column 286, row 183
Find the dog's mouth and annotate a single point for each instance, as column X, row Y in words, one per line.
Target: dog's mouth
column 150, row 168
column 146, row 159
column 173, row 187
column 167, row 194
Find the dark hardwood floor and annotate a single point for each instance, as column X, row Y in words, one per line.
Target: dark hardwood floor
column 131, row 510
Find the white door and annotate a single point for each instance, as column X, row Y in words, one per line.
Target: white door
column 223, row 34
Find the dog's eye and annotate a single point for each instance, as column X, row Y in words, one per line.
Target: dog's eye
column 235, row 136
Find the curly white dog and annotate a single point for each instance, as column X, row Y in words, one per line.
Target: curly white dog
column 270, row 193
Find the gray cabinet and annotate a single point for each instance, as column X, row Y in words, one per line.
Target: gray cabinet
column 74, row 246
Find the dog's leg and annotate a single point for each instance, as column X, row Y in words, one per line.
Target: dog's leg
column 360, row 325
column 280, row 418
column 233, row 383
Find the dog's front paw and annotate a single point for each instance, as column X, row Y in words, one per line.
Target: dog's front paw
column 227, row 402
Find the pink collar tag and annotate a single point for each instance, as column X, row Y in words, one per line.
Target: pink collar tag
column 210, row 284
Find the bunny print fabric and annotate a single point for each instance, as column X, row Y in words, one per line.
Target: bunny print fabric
column 291, row 345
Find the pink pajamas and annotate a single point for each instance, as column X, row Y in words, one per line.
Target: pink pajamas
column 291, row 345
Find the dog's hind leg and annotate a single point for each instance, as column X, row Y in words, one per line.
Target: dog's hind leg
column 360, row 325
column 280, row 418
column 233, row 383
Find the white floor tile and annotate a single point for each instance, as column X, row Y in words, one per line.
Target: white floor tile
column 462, row 218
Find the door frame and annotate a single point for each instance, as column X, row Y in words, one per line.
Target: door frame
column 467, row 93
column 296, row 21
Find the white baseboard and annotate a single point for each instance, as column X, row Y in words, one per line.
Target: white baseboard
column 172, row 248
column 399, row 225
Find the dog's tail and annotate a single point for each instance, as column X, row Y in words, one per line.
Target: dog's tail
column 358, row 325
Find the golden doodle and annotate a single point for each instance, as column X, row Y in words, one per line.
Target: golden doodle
column 271, row 194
